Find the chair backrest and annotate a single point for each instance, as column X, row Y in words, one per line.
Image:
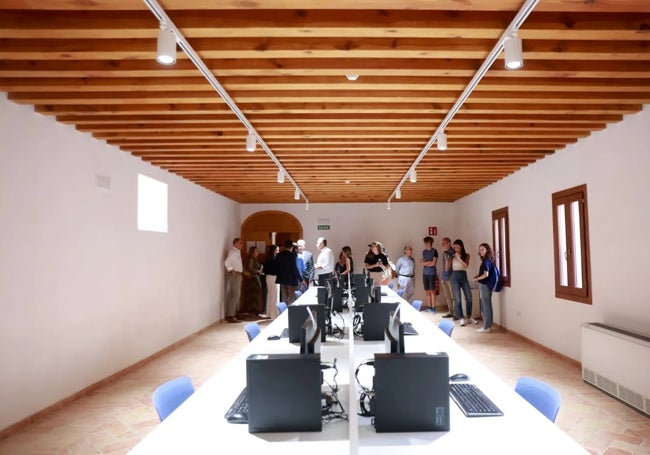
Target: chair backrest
column 170, row 395
column 417, row 304
column 252, row 330
column 391, row 285
column 543, row 396
column 298, row 293
column 447, row 326
column 281, row 307
column 400, row 292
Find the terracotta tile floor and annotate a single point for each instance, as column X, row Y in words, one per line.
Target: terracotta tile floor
column 115, row 417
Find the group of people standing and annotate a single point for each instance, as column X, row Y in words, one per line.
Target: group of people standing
column 293, row 268
column 454, row 281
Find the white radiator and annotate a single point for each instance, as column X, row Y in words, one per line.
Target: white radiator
column 617, row 361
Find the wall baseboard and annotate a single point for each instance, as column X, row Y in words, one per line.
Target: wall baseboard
column 546, row 349
column 16, row 427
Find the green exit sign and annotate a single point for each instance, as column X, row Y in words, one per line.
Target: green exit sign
column 323, row 227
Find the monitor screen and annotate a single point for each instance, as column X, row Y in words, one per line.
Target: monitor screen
column 310, row 335
column 375, row 320
column 376, row 294
column 394, row 334
column 297, row 315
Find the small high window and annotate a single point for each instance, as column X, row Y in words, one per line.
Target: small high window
column 152, row 204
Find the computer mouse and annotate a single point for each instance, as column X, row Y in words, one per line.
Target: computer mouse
column 237, row 418
column 459, row 377
column 273, row 337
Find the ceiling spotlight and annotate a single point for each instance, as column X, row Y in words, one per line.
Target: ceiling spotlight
column 296, row 194
column 306, row 205
column 442, row 141
column 166, row 46
column 388, row 206
column 352, row 77
column 398, row 193
column 251, row 142
column 280, row 176
column 513, row 52
column 413, row 176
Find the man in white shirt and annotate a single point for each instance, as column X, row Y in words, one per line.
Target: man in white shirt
column 234, row 268
column 405, row 269
column 324, row 267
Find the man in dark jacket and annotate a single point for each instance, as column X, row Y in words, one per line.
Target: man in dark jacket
column 288, row 276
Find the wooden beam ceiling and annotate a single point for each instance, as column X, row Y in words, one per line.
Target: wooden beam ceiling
column 92, row 65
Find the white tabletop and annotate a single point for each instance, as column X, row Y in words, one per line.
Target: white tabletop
column 198, row 425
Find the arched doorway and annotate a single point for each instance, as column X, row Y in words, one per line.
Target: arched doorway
column 262, row 229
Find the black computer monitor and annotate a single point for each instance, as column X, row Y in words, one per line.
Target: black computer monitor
column 419, row 405
column 375, row 320
column 337, row 300
column 359, row 280
column 322, row 295
column 394, row 334
column 310, row 335
column 291, row 400
column 362, row 296
column 297, row 316
column 376, row 294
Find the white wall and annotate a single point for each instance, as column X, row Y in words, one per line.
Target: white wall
column 615, row 165
column 84, row 294
column 357, row 225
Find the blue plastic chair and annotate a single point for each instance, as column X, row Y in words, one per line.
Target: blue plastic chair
column 170, row 395
column 417, row 304
column 298, row 293
column 400, row 292
column 252, row 330
column 391, row 285
column 447, row 326
column 543, row 396
column 281, row 307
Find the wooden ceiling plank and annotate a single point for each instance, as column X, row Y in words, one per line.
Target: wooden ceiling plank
column 611, row 6
column 320, row 23
column 317, row 83
column 320, row 48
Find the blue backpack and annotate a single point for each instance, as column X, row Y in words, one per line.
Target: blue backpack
column 496, row 283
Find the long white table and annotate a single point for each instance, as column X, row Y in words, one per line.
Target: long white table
column 198, row 425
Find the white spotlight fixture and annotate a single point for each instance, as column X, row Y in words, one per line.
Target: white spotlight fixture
column 296, row 194
column 442, row 141
column 398, row 193
column 388, row 206
column 251, row 142
column 280, row 176
column 166, row 46
column 513, row 52
column 413, row 176
column 352, row 77
column 306, row 205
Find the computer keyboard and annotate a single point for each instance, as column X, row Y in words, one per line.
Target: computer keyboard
column 472, row 401
column 409, row 330
column 238, row 411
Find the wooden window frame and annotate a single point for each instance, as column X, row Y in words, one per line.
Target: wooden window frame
column 570, row 291
column 499, row 247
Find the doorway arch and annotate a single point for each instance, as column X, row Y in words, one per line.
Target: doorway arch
column 260, row 229
column 260, row 226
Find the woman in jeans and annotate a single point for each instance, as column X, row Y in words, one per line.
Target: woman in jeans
column 485, row 279
column 459, row 281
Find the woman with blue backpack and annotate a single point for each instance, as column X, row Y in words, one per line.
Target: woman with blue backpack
column 487, row 278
